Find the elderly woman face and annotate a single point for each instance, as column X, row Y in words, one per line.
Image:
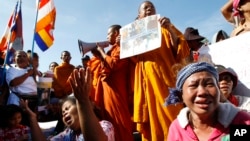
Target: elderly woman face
column 201, row 93
column 70, row 115
column 21, row 59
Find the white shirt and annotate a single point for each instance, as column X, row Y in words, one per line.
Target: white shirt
column 28, row 86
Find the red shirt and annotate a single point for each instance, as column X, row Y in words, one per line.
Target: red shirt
column 233, row 100
column 13, row 134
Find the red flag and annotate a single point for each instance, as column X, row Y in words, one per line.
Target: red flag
column 13, row 35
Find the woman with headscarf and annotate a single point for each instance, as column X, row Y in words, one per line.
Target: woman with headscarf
column 204, row 117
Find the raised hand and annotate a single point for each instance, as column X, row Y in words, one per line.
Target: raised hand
column 25, row 107
column 81, row 83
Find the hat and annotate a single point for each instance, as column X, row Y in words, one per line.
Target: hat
column 223, row 70
column 192, row 34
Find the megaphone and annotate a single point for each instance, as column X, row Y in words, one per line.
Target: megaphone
column 85, row 47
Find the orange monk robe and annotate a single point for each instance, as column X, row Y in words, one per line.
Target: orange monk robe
column 112, row 94
column 95, row 67
column 131, row 76
column 61, row 84
column 153, row 77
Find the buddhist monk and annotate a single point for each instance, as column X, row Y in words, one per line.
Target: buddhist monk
column 112, row 88
column 153, row 78
column 62, row 72
column 95, row 67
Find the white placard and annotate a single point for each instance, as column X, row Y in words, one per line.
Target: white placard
column 233, row 53
column 140, row 36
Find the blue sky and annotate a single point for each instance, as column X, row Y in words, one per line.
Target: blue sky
column 89, row 20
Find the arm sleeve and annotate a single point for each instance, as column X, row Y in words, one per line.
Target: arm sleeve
column 108, row 129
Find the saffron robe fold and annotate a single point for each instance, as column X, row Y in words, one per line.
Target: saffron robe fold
column 61, row 83
column 153, row 78
column 112, row 93
column 95, row 67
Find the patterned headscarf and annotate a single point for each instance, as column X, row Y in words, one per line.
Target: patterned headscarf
column 235, row 7
column 175, row 93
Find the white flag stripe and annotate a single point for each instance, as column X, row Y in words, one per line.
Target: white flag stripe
column 45, row 10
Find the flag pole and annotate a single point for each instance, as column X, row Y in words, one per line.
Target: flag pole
column 33, row 43
column 8, row 43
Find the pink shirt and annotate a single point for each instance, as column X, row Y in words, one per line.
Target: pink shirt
column 180, row 130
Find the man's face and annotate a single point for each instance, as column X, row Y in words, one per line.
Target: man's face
column 111, row 37
column 146, row 9
column 21, row 59
column 66, row 57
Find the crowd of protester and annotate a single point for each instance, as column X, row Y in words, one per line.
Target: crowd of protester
column 163, row 94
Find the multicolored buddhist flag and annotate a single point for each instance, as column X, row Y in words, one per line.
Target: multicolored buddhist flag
column 12, row 39
column 45, row 24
